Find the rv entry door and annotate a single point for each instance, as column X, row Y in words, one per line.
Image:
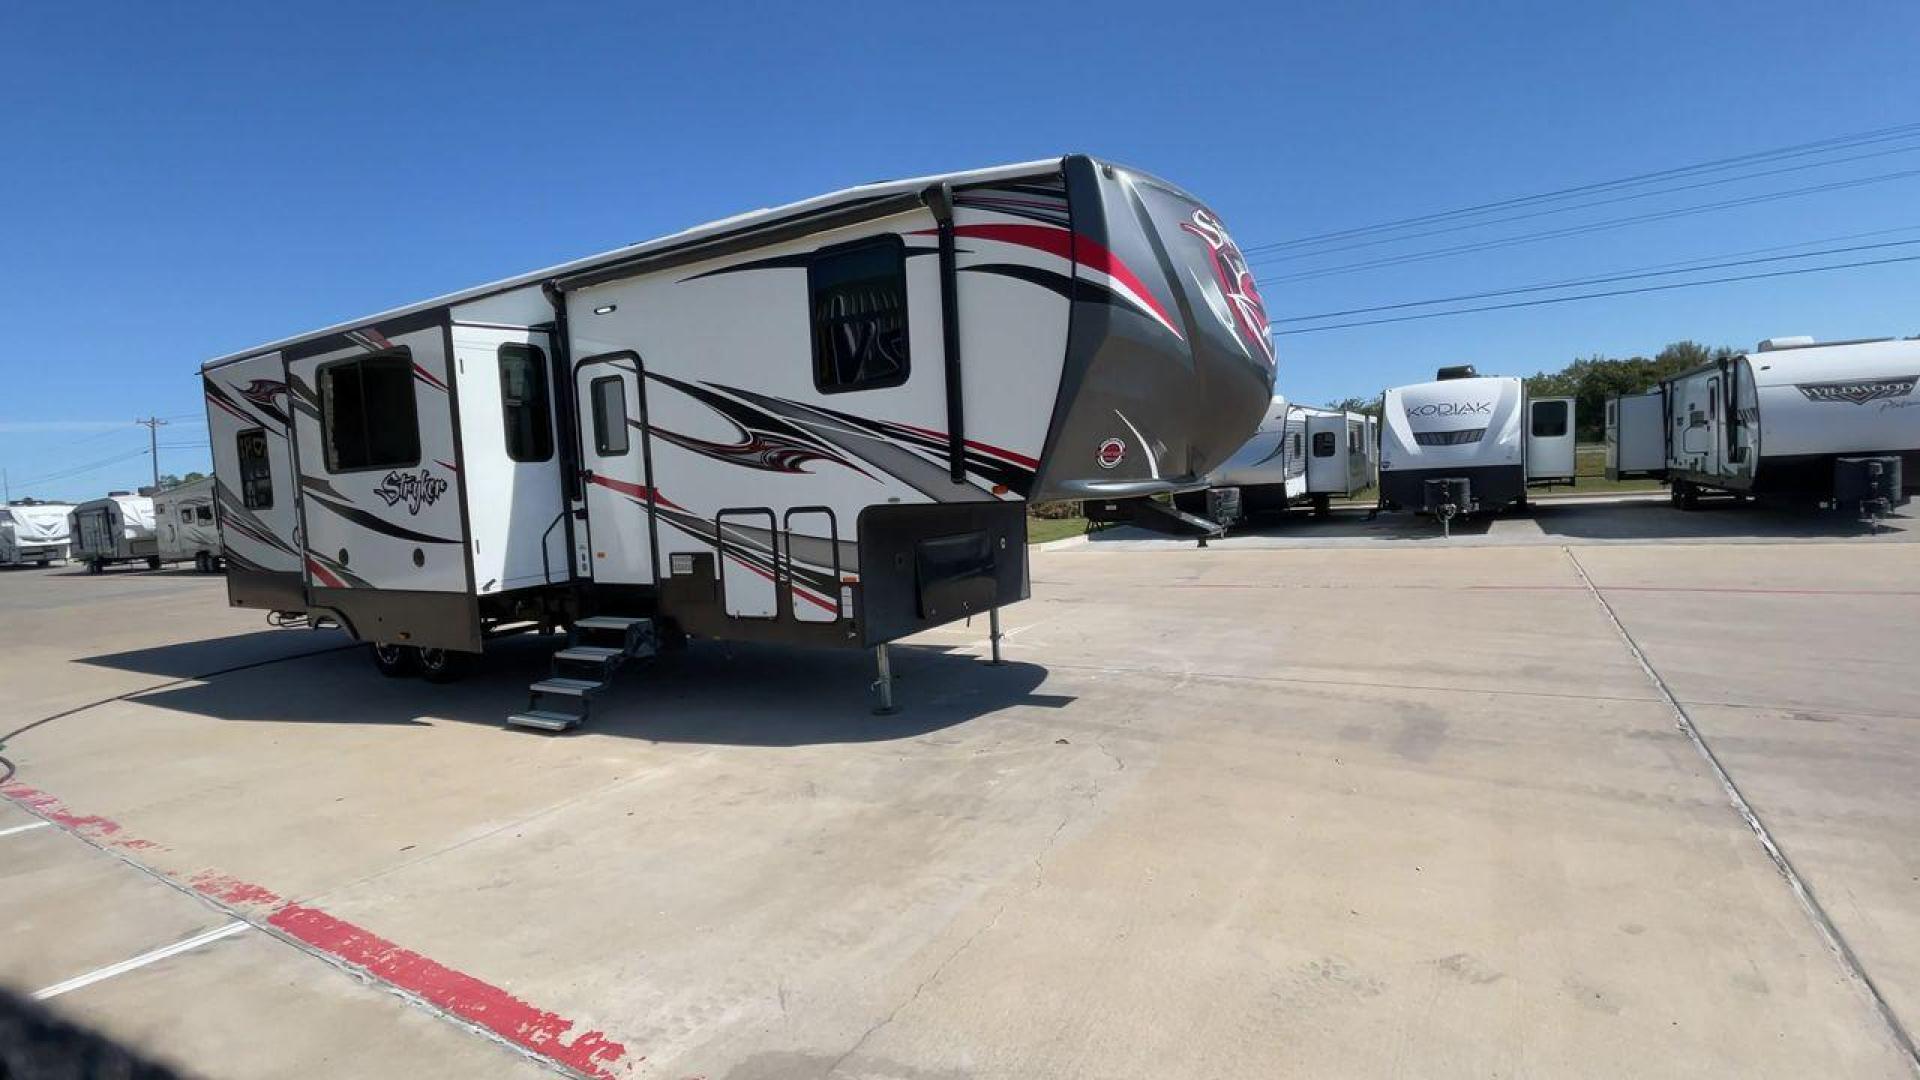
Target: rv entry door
column 1550, row 439
column 616, row 481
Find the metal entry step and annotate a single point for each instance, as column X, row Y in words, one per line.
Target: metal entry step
column 597, row 645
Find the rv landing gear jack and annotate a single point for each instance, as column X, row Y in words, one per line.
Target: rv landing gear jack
column 1445, row 514
column 883, row 685
column 993, row 634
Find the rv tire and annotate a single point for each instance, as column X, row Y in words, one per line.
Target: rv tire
column 395, row 661
column 1322, row 505
column 153, row 562
column 44, row 563
column 1686, row 496
column 445, row 665
column 94, row 566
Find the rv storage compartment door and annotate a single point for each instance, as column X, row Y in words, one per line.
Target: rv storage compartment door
column 747, row 561
column 1550, row 435
column 812, row 565
column 954, row 575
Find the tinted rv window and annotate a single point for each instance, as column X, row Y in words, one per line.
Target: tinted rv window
column 203, row 513
column 609, row 416
column 1323, row 444
column 1549, row 419
column 367, row 419
column 523, row 403
column 858, row 298
column 256, row 472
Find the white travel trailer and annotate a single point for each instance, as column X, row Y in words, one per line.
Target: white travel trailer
column 33, row 532
column 1835, row 423
column 184, row 524
column 1464, row 443
column 818, row 424
column 116, row 529
column 1298, row 454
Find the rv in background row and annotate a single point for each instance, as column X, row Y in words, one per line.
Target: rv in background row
column 116, row 529
column 1299, row 454
column 184, row 526
column 1465, row 444
column 33, row 532
column 1836, row 423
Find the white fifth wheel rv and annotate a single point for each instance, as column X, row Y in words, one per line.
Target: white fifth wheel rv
column 1298, row 454
column 184, row 524
column 33, row 532
column 116, row 529
column 1835, row 423
column 1465, row 443
column 818, row 424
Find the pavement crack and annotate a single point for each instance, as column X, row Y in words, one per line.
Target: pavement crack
column 1836, row 942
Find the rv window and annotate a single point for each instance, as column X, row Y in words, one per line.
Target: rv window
column 523, row 403
column 367, row 419
column 1297, row 444
column 609, row 415
column 204, row 513
column 256, row 472
column 858, row 297
column 1323, row 444
column 1549, row 419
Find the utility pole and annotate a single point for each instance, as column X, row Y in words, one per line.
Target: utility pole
column 153, row 424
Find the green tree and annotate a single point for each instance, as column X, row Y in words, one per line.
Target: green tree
column 1370, row 406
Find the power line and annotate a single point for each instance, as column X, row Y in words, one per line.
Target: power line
column 1597, row 226
column 1828, row 145
column 1604, row 280
column 78, row 470
column 1595, row 296
column 1284, row 257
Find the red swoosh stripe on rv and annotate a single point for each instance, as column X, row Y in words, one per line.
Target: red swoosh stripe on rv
column 1077, row 249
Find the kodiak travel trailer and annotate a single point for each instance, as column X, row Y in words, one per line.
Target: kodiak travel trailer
column 815, row 425
column 33, row 532
column 1298, row 454
column 1465, row 444
column 116, row 529
column 184, row 526
column 1836, row 424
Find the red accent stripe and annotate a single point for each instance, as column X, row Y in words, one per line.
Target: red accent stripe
column 1074, row 247
column 1017, row 459
column 635, row 491
column 426, row 377
column 326, row 576
column 479, row 1003
column 823, row 605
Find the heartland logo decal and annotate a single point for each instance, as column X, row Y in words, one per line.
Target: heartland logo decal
column 1451, row 408
column 414, row 489
column 1860, row 391
column 1112, row 452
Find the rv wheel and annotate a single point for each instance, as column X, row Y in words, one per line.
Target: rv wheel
column 395, row 661
column 445, row 665
column 44, row 563
column 94, row 566
column 200, row 563
column 153, row 562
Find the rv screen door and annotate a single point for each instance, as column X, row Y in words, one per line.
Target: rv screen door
column 616, row 547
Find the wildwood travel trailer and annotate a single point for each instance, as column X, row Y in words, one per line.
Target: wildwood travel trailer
column 116, row 529
column 1298, row 454
column 33, row 532
column 1837, row 424
column 816, row 425
column 1464, row 443
column 184, row 525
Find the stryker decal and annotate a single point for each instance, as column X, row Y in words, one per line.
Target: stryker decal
column 414, row 489
column 1236, row 283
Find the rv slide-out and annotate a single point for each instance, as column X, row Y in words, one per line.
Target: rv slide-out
column 818, row 424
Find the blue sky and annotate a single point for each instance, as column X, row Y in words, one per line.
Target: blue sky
column 185, row 180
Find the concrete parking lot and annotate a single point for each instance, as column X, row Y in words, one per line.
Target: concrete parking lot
column 1293, row 805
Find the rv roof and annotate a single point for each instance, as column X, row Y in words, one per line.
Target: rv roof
column 736, row 223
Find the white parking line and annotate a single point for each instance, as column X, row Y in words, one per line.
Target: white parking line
column 24, row 828
column 140, row 961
